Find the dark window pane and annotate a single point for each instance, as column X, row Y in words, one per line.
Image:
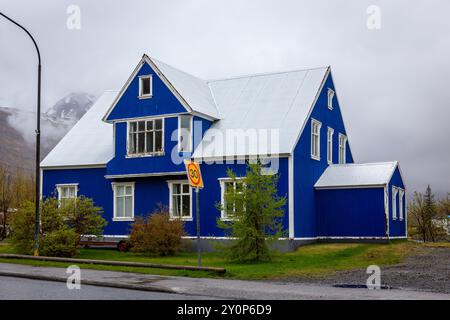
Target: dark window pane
column 149, row 142
column 150, row 125
column 158, row 124
column 132, row 143
column 145, row 83
column 186, row 206
column 141, row 142
column 158, row 141
column 141, row 125
column 132, row 126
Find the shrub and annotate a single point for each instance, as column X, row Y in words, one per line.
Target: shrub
column 85, row 218
column 157, row 234
column 60, row 225
column 22, row 223
column 60, row 243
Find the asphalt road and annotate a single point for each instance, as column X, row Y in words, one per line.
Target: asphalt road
column 27, row 289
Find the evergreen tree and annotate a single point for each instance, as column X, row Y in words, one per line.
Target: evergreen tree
column 253, row 212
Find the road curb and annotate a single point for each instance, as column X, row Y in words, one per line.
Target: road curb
column 88, row 282
column 113, row 263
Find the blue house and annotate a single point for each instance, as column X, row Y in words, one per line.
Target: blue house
column 127, row 154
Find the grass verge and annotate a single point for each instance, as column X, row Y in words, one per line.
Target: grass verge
column 308, row 261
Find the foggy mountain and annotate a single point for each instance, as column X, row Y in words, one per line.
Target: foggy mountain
column 17, row 138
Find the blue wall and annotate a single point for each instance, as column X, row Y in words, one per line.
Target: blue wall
column 351, row 212
column 91, row 183
column 210, row 195
column 151, row 191
column 163, row 101
column 306, row 170
column 397, row 228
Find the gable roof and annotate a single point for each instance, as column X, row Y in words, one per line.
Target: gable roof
column 357, row 175
column 89, row 142
column 281, row 101
column 192, row 92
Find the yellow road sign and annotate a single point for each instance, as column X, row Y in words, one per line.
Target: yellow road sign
column 194, row 174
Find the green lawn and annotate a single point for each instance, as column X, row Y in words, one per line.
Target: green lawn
column 311, row 260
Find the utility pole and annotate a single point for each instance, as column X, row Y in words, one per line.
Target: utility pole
column 38, row 140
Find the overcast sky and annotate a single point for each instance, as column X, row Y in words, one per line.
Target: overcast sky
column 392, row 82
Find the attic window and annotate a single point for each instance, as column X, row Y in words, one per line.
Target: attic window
column 145, row 86
column 330, row 98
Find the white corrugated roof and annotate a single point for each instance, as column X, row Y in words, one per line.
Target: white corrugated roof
column 193, row 90
column 89, row 142
column 280, row 101
column 349, row 175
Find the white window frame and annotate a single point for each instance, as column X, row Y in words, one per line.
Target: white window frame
column 146, row 154
column 330, row 134
column 394, row 203
column 342, row 148
column 171, row 183
column 223, row 182
column 191, row 123
column 59, row 188
column 314, row 135
column 148, row 95
column 401, row 195
column 330, row 98
column 114, row 187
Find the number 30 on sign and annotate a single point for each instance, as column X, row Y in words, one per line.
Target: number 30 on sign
column 193, row 173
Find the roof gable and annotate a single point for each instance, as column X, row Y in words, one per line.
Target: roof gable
column 174, row 91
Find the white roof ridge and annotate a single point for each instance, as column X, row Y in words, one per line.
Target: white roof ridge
column 180, row 70
column 260, row 74
column 363, row 164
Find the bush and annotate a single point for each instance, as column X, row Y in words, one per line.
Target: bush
column 85, row 218
column 60, row 225
column 22, row 224
column 157, row 234
column 60, row 243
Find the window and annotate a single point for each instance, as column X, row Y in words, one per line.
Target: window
column 185, row 133
column 226, row 186
column 145, row 86
column 330, row 99
column 180, row 200
column 330, row 145
column 315, row 139
column 342, row 148
column 66, row 192
column 123, row 201
column 394, row 203
column 400, row 204
column 145, row 137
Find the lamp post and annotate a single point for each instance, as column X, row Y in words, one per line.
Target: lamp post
column 38, row 140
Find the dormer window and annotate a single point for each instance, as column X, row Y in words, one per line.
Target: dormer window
column 145, row 86
column 330, row 98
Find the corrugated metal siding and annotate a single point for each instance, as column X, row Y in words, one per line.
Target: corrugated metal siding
column 397, row 228
column 306, row 170
column 351, row 212
column 163, row 101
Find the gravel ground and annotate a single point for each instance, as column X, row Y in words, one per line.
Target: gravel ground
column 427, row 271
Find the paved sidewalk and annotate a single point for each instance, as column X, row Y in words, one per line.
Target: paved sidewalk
column 217, row 288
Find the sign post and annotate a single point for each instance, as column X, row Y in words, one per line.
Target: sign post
column 196, row 181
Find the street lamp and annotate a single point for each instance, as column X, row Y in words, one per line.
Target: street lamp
column 38, row 140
